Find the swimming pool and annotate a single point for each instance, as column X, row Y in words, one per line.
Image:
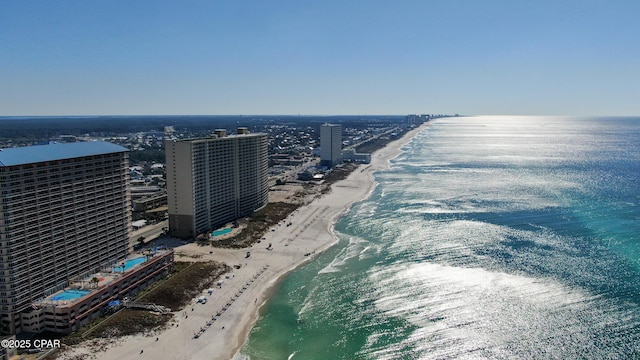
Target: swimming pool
column 129, row 263
column 70, row 295
column 221, row 232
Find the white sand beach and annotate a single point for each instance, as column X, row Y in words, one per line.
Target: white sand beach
column 239, row 298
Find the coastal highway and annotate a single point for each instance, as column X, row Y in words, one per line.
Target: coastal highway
column 149, row 232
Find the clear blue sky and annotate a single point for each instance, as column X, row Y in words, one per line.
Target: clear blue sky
column 327, row 57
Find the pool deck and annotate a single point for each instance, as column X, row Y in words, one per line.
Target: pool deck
column 128, row 264
column 105, row 277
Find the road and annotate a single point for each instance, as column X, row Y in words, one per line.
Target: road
column 149, row 232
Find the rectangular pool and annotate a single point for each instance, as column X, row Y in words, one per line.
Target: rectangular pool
column 71, row 294
column 129, row 263
column 221, row 232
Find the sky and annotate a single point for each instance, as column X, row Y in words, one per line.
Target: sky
column 323, row 57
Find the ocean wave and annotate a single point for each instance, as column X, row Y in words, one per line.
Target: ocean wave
column 462, row 312
column 353, row 250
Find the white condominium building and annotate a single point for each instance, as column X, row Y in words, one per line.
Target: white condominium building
column 330, row 144
column 212, row 181
column 64, row 213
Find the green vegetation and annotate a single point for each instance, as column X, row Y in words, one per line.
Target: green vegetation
column 377, row 144
column 151, row 216
column 257, row 224
column 184, row 283
column 147, row 156
column 130, row 322
column 340, row 173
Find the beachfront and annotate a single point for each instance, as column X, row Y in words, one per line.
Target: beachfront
column 218, row 328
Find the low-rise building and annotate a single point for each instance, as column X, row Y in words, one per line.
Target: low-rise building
column 88, row 298
column 150, row 202
column 352, row 155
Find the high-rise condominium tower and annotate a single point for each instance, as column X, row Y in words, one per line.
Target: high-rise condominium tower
column 212, row 181
column 330, row 144
column 64, row 213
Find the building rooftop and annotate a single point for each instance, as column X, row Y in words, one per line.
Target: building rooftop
column 218, row 136
column 55, row 151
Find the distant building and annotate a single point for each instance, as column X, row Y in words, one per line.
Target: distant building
column 309, row 175
column 64, row 213
column 168, row 132
column 414, row 120
column 68, row 138
column 330, row 144
column 212, row 181
column 141, row 192
column 150, row 202
column 352, row 155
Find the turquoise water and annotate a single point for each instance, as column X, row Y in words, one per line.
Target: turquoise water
column 222, row 232
column 129, row 263
column 489, row 238
column 70, row 295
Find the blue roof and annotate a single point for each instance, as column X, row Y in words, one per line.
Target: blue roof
column 40, row 153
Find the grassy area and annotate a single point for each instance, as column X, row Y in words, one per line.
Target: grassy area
column 379, row 143
column 340, row 173
column 257, row 224
column 185, row 282
column 130, row 322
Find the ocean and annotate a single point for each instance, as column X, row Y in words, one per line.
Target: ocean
column 490, row 237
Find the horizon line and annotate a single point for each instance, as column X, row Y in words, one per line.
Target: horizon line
column 301, row 115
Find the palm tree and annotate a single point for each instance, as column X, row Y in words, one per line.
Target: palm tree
column 95, row 282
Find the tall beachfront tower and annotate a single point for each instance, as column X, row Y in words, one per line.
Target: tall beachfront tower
column 212, row 181
column 330, row 144
column 64, row 213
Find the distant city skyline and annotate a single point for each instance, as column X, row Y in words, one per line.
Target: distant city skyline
column 329, row 57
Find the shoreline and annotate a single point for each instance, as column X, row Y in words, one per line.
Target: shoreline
column 244, row 291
